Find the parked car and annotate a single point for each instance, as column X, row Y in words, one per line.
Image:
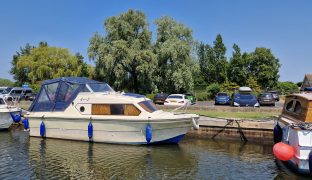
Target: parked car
column 191, row 97
column 16, row 93
column 266, row 99
column 222, row 98
column 275, row 95
column 2, row 89
column 244, row 99
column 32, row 97
column 177, row 100
column 160, row 98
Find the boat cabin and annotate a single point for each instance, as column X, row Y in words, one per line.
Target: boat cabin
column 298, row 107
column 57, row 94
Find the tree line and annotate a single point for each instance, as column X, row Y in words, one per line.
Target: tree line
column 126, row 57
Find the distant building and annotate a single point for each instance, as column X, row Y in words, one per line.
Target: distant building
column 307, row 82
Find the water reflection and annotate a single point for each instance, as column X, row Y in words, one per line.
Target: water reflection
column 22, row 157
column 58, row 158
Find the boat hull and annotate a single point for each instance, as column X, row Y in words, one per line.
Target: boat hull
column 117, row 131
column 301, row 141
column 5, row 120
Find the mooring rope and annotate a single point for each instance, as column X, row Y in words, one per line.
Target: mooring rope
column 303, row 125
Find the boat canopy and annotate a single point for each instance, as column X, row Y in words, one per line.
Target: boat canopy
column 57, row 94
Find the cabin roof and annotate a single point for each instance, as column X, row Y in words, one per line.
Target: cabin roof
column 307, row 96
column 75, row 80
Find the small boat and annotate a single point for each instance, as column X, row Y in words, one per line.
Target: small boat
column 8, row 114
column 293, row 133
column 77, row 108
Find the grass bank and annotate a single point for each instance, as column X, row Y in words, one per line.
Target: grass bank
column 236, row 115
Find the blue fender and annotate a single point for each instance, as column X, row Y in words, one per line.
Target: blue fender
column 90, row 130
column 42, row 129
column 26, row 123
column 148, row 133
column 277, row 133
column 16, row 117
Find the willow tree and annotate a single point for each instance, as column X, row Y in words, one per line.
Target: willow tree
column 124, row 56
column 173, row 47
column 46, row 62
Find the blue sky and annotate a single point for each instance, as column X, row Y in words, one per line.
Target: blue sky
column 284, row 26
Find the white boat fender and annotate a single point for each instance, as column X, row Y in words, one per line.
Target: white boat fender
column 277, row 133
column 148, row 133
column 310, row 162
column 90, row 131
column 195, row 125
column 42, row 129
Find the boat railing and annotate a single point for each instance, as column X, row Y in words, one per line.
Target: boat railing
column 183, row 108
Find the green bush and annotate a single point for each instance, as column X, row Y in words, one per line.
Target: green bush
column 285, row 88
column 201, row 96
column 212, row 90
column 150, row 96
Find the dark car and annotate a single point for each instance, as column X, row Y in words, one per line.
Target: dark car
column 244, row 99
column 191, row 97
column 222, row 98
column 266, row 99
column 275, row 95
column 160, row 98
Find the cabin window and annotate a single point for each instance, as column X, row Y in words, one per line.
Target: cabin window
column 131, row 110
column 289, row 106
column 297, row 108
column 66, row 91
column 43, row 97
column 148, row 106
column 115, row 109
column 51, row 90
column 2, row 101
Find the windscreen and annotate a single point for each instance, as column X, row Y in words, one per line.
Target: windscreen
column 267, row 96
column 101, row 87
column 148, row 106
column 246, row 96
column 175, row 97
column 160, row 95
column 7, row 90
column 222, row 94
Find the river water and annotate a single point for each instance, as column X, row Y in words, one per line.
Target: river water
column 24, row 157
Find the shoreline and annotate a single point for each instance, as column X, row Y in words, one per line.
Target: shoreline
column 234, row 129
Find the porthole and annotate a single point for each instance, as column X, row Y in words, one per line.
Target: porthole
column 298, row 108
column 82, row 108
column 289, row 106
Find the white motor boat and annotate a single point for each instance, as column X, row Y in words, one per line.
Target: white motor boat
column 8, row 114
column 77, row 108
column 293, row 133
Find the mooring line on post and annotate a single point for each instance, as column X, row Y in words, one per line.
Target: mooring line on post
column 242, row 135
column 229, row 121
